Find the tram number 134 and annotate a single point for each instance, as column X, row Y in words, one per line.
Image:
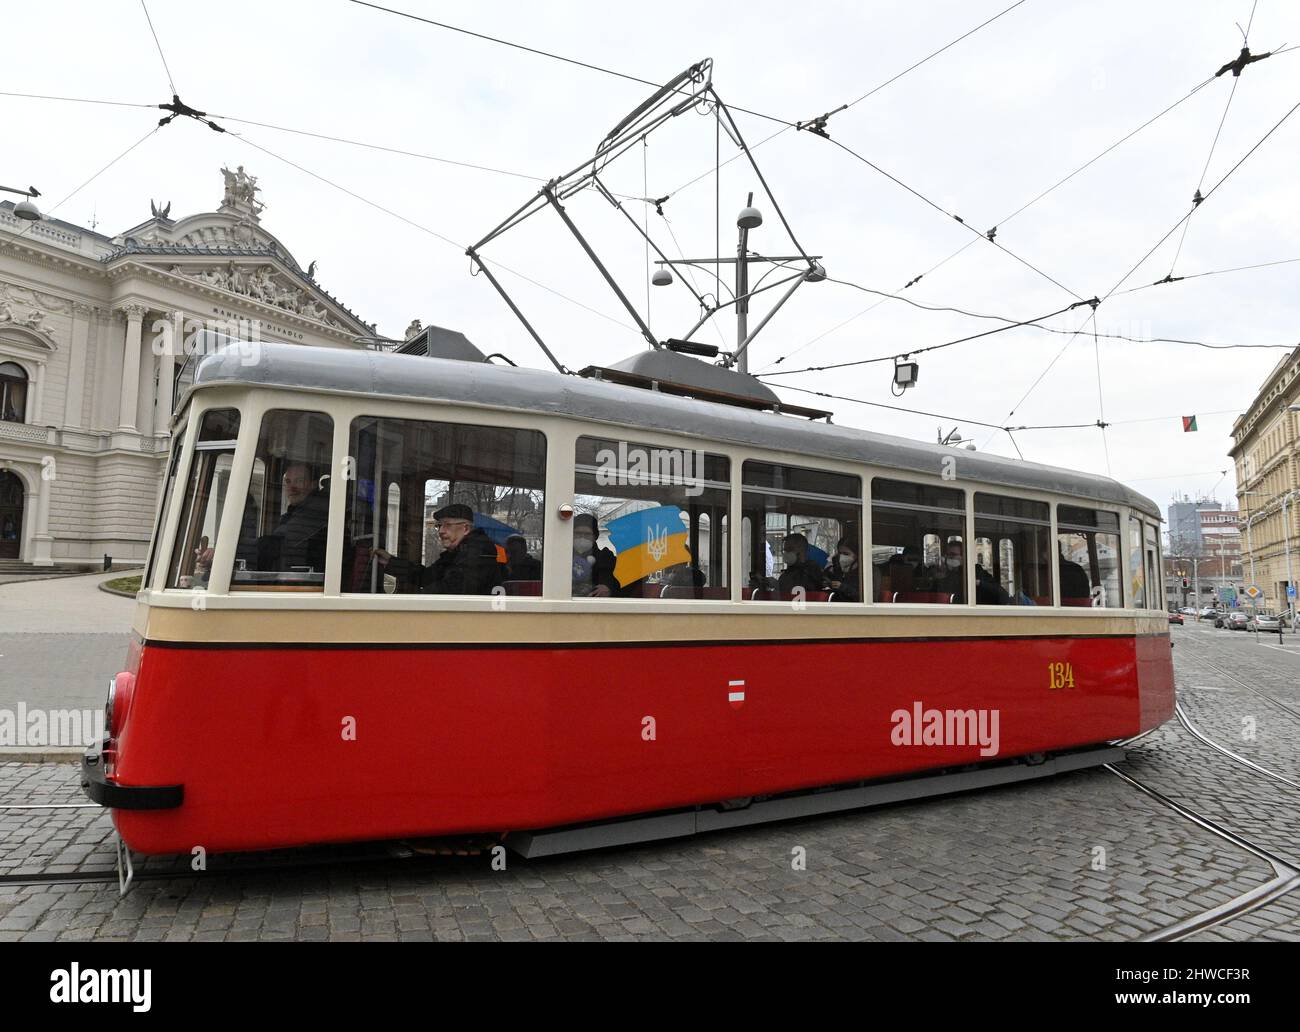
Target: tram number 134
column 1059, row 675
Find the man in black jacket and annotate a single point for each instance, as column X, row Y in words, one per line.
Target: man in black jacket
column 468, row 564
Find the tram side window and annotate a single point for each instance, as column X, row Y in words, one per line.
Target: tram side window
column 651, row 521
column 444, row 509
column 285, row 527
column 796, row 523
column 918, row 543
column 1136, row 567
column 1087, row 561
column 205, row 499
column 1012, row 540
column 1152, row 565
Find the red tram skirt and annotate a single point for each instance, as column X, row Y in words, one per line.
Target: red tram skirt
column 293, row 744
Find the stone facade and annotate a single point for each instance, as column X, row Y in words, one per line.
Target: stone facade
column 1266, row 450
column 85, row 350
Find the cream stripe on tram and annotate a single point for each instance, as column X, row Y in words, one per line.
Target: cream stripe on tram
column 457, row 627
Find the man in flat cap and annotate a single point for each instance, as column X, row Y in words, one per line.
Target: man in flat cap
column 468, row 564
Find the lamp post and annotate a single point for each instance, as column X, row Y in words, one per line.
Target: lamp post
column 25, row 210
column 749, row 218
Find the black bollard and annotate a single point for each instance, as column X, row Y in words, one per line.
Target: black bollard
column 108, row 562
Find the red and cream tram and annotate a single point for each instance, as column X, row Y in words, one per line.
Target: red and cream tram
column 637, row 642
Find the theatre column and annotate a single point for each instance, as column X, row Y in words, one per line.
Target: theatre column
column 130, row 367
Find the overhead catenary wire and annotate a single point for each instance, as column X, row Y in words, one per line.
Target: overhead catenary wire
column 74, row 100
column 548, row 54
column 170, row 81
column 1214, row 189
column 1004, row 220
column 50, row 211
column 886, row 295
column 1119, row 283
column 954, row 216
column 932, row 347
column 1199, row 275
column 431, row 232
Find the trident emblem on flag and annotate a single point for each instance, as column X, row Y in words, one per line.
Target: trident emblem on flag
column 656, row 540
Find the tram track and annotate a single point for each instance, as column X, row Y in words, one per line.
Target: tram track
column 1286, row 871
column 111, row 875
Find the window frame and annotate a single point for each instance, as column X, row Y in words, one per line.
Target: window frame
column 968, row 525
column 1053, row 594
column 860, row 473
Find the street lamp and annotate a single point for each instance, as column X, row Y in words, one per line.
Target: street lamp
column 25, row 210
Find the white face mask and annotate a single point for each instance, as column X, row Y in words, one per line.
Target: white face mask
column 790, row 558
column 582, row 545
column 954, row 562
column 846, row 561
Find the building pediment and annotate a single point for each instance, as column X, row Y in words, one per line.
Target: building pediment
column 254, row 276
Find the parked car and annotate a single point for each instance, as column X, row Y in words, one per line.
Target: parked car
column 1176, row 618
column 1264, row 622
column 1188, row 610
column 1207, row 612
column 1236, row 621
column 1220, row 618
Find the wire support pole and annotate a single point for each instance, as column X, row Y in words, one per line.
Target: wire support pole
column 482, row 267
column 600, row 267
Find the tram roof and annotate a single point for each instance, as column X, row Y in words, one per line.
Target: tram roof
column 379, row 374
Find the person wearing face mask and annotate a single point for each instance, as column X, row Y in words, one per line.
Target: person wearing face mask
column 952, row 579
column 844, row 574
column 800, row 571
column 593, row 567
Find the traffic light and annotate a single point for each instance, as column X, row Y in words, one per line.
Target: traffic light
column 1185, row 584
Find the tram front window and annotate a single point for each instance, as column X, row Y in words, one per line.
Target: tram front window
column 651, row 523
column 444, row 509
column 918, row 543
column 283, row 534
column 205, row 499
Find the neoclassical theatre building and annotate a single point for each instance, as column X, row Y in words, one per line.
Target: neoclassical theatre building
column 84, row 395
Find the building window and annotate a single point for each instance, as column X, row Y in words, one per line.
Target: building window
column 205, row 500
column 795, row 522
column 651, row 521
column 443, row 509
column 283, row 533
column 13, row 393
column 1087, row 561
column 1013, row 535
column 918, row 543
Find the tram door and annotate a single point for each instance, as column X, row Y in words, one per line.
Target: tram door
column 11, row 515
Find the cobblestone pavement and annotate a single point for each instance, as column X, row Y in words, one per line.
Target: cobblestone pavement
column 1082, row 856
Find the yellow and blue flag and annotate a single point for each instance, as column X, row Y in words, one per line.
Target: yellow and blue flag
column 648, row 540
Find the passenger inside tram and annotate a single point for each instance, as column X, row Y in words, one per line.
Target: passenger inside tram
column 844, row 574
column 1074, row 578
column 800, row 571
column 467, row 565
column 593, row 566
column 297, row 541
column 520, row 566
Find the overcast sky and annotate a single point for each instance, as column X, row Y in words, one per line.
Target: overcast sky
column 980, row 130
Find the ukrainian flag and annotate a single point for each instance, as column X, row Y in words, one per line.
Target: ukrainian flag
column 648, row 540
